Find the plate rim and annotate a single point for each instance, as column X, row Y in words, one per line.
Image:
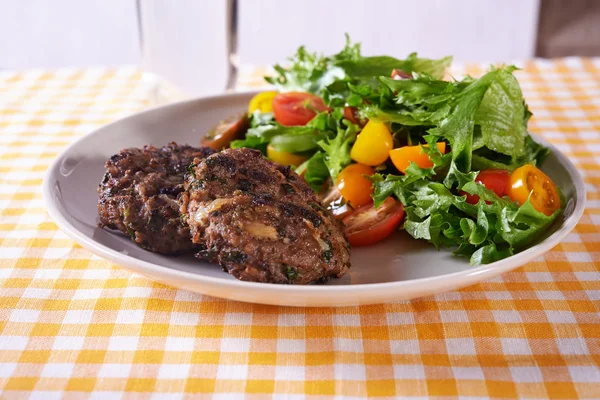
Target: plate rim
column 480, row 273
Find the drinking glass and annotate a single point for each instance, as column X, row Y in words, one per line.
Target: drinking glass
column 187, row 47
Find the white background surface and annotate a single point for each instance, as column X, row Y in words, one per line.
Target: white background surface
column 471, row 30
column 44, row 33
column 54, row 33
column 185, row 40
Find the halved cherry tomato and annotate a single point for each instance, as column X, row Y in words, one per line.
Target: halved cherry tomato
column 403, row 156
column 368, row 225
column 341, row 211
column 529, row 180
column 262, row 102
column 493, row 179
column 353, row 186
column 398, row 74
column 224, row 132
column 284, row 157
column 351, row 114
column 335, row 202
column 296, row 108
column 373, row 145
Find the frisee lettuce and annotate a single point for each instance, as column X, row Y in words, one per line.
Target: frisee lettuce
column 337, row 150
column 484, row 232
column 483, row 121
column 314, row 73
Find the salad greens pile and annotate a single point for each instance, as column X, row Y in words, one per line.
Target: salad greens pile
column 484, row 122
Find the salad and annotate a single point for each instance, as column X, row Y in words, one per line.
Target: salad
column 389, row 144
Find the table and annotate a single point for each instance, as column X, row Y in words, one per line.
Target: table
column 74, row 326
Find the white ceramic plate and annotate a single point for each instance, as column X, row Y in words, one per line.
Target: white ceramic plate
column 396, row 269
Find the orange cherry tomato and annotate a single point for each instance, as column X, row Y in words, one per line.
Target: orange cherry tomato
column 529, row 180
column 403, row 156
column 493, row 179
column 354, row 187
column 373, row 144
column 368, row 225
column 296, row 108
column 224, row 132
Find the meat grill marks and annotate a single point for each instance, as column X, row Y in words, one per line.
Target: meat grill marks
column 138, row 196
column 260, row 221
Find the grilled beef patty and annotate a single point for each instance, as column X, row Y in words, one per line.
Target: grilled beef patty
column 138, row 196
column 260, row 221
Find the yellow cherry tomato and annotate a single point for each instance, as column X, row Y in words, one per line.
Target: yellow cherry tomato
column 403, row 156
column 262, row 102
column 284, row 157
column 353, row 186
column 527, row 180
column 373, row 145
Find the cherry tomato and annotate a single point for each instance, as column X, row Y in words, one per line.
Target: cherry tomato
column 493, row 179
column 262, row 102
column 296, row 108
column 339, row 207
column 529, row 180
column 353, row 186
column 284, row 157
column 403, row 156
column 373, row 145
column 342, row 211
column 224, row 132
column 398, row 74
column 351, row 114
column 368, row 225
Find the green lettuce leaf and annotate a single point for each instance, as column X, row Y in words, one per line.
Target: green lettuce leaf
column 383, row 65
column 458, row 127
column 315, row 171
column 483, row 122
column 311, row 72
column 337, row 150
column 484, row 232
column 293, row 139
column 501, row 114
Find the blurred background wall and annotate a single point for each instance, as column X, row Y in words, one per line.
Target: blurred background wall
column 44, row 33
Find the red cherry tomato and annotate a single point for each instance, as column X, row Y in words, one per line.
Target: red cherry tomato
column 296, row 108
column 221, row 135
column 493, row 179
column 398, row 74
column 368, row 225
column 351, row 114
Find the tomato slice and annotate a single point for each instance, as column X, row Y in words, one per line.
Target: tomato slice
column 296, row 108
column 225, row 131
column 353, row 185
column 368, row 225
column 493, row 179
column 529, row 180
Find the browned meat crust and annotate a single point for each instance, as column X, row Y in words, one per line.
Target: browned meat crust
column 138, row 196
column 260, row 221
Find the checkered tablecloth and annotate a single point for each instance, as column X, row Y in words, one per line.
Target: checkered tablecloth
column 75, row 326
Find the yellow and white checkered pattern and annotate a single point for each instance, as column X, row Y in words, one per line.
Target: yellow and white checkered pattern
column 75, row 326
